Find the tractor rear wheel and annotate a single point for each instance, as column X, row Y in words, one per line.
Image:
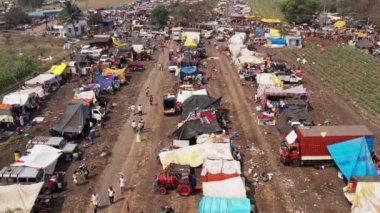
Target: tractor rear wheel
column 295, row 163
column 184, row 190
column 162, row 190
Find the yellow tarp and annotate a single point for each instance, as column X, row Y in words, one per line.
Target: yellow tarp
column 58, row 69
column 271, row 21
column 277, row 82
column 274, row 33
column 119, row 72
column 360, row 34
column 249, row 18
column 340, row 24
column 118, row 43
column 190, row 43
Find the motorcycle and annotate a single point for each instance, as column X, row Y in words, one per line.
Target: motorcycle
column 83, row 170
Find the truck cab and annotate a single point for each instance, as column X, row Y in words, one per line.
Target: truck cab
column 57, row 142
column 21, row 175
column 169, row 102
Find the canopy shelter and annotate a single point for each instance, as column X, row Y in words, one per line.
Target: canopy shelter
column 225, row 205
column 23, row 96
column 19, row 197
column 294, row 112
column 185, row 94
column 192, row 128
column 366, row 197
column 260, row 31
column 72, row 121
column 195, row 155
column 197, row 102
column 353, row 157
column 340, row 24
column 274, row 33
column 88, row 97
column 58, row 69
column 117, row 43
column 229, row 188
column 276, row 42
column 188, row 70
column 119, row 72
column 216, row 170
column 42, row 79
column 40, row 156
column 106, row 82
column 270, row 21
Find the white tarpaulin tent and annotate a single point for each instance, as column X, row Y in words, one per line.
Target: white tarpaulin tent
column 21, row 97
column 367, row 198
column 41, row 79
column 138, row 48
column 220, row 166
column 196, row 154
column 19, row 198
column 40, row 156
column 185, row 94
column 229, row 188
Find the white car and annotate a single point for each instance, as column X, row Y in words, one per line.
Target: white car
column 173, row 66
column 104, row 58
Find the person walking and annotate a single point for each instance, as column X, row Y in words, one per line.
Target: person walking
column 123, row 184
column 95, row 201
column 134, row 125
column 111, row 194
column 147, row 91
column 140, row 125
column 133, row 109
column 151, row 100
column 75, row 178
column 139, row 109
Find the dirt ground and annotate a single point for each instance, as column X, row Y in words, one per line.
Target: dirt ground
column 302, row 189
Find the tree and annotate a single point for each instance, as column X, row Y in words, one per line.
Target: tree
column 16, row 16
column 299, row 11
column 159, row 15
column 95, row 19
column 30, row 3
column 70, row 14
column 190, row 14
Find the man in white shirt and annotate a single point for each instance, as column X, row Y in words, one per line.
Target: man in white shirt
column 111, row 194
column 95, row 201
column 139, row 109
column 123, row 184
column 134, row 125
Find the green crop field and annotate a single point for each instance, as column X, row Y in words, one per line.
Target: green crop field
column 266, row 8
column 18, row 56
column 351, row 73
column 90, row 4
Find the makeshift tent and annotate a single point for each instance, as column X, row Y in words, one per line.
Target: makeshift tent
column 19, row 197
column 138, row 48
column 277, row 41
column 294, row 41
column 353, row 158
column 22, row 97
column 367, row 198
column 105, row 82
column 260, row 31
column 213, row 138
column 119, row 72
column 195, row 127
column 40, row 156
column 298, row 91
column 196, row 154
column 117, row 43
column 5, row 113
column 88, row 97
column 200, row 102
column 73, row 120
column 225, row 205
column 216, row 170
column 41, row 79
column 340, row 24
column 270, row 21
column 191, row 39
column 295, row 112
column 189, row 70
column 185, row 94
column 274, row 33
column 268, row 80
column 229, row 188
column 360, row 34
column 58, row 69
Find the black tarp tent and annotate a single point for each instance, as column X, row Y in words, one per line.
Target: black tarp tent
column 193, row 128
column 295, row 111
column 72, row 121
column 200, row 102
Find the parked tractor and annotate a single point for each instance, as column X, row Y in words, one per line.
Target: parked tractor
column 175, row 177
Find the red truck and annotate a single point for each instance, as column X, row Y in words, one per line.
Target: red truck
column 308, row 145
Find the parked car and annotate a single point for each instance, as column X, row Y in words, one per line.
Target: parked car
column 105, row 58
column 173, row 66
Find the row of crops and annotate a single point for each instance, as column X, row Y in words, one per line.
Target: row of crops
column 351, row 73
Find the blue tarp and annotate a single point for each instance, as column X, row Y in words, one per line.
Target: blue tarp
column 353, row 158
column 189, row 70
column 277, row 40
column 225, row 205
column 105, row 81
column 260, row 31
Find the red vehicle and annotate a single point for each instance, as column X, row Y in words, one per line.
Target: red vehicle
column 136, row 66
column 177, row 177
column 308, row 145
